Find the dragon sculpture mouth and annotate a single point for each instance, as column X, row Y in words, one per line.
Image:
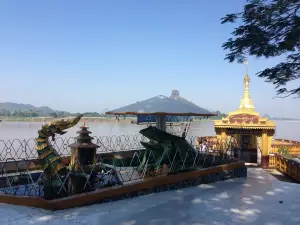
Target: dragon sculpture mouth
column 58, row 127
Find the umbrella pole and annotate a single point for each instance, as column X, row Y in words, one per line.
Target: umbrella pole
column 161, row 122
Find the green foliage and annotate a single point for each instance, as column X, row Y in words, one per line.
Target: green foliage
column 219, row 116
column 268, row 29
column 18, row 113
column 54, row 114
column 285, row 152
column 91, row 114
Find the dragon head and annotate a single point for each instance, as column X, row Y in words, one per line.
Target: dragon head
column 59, row 126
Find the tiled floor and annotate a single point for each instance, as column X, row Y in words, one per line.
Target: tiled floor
column 260, row 199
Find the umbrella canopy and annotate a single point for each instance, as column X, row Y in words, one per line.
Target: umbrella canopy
column 162, row 105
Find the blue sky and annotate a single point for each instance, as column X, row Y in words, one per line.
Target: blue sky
column 90, row 55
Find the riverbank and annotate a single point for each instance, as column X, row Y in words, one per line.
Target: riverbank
column 87, row 119
column 48, row 119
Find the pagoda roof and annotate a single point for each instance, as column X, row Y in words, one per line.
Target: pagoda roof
column 162, row 105
column 245, row 120
column 83, row 145
column 83, row 132
column 84, row 140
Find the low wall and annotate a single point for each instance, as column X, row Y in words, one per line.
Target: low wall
column 293, row 146
column 142, row 187
column 288, row 167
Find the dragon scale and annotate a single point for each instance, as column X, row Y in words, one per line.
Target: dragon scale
column 49, row 157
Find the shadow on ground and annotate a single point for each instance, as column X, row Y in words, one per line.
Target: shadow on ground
column 259, row 199
column 275, row 173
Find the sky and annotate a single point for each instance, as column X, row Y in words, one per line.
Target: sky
column 92, row 55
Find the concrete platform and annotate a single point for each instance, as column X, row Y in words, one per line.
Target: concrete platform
column 260, row 199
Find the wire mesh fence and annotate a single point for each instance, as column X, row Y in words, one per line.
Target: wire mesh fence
column 18, row 149
column 119, row 160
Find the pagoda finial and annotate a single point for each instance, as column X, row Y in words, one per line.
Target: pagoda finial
column 246, row 63
column 246, row 102
column 83, row 124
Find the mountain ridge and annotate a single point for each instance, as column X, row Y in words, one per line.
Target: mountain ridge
column 20, row 107
column 9, row 108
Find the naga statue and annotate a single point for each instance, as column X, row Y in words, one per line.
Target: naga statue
column 167, row 150
column 54, row 169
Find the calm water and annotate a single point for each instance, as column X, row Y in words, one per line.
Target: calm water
column 25, row 130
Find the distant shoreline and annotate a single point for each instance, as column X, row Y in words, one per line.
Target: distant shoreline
column 87, row 119
column 104, row 119
column 48, row 119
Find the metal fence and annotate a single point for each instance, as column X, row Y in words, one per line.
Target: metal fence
column 18, row 149
column 22, row 173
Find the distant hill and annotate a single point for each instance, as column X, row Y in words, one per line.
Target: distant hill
column 15, row 106
column 27, row 110
column 104, row 111
column 23, row 110
column 12, row 107
column 175, row 95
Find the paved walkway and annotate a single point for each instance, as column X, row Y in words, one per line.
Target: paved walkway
column 260, row 199
column 275, row 173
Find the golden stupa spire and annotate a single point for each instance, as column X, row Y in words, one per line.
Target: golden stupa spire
column 84, row 123
column 246, row 102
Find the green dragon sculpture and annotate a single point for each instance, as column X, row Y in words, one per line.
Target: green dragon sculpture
column 166, row 149
column 164, row 154
column 49, row 158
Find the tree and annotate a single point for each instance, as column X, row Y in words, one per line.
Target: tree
column 91, row 114
column 269, row 28
column 53, row 114
column 218, row 113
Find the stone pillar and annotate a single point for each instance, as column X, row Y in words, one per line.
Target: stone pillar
column 258, row 146
column 264, row 149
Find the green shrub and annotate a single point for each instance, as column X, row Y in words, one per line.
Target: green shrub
column 285, row 152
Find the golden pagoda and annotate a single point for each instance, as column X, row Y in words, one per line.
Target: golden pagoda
column 253, row 132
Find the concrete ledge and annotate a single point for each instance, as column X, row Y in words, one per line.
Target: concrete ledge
column 141, row 187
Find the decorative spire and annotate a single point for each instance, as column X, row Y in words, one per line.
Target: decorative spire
column 246, row 102
column 246, row 63
column 84, row 140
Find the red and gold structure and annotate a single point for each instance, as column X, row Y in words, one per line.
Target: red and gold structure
column 254, row 133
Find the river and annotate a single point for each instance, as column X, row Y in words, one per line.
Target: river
column 26, row 130
column 17, row 138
